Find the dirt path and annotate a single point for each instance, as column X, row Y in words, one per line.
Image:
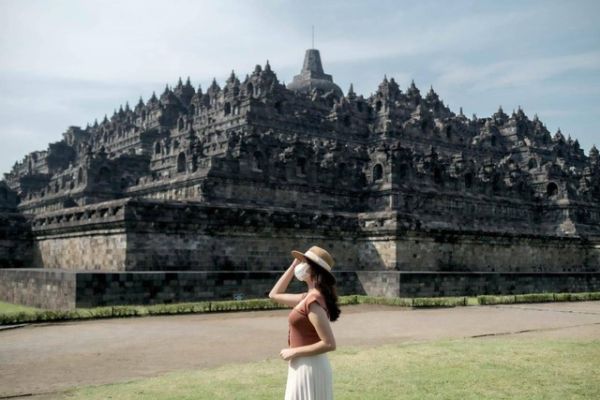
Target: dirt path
column 45, row 358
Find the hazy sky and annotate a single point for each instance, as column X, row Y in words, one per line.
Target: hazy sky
column 67, row 63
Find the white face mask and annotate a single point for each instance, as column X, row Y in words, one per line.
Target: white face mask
column 301, row 271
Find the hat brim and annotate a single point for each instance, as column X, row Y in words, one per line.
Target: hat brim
column 300, row 256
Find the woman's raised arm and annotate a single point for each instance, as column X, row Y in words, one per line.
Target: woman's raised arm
column 278, row 292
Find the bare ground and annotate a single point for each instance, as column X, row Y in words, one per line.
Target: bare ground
column 39, row 359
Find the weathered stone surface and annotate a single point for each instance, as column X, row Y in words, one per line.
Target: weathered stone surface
column 40, row 287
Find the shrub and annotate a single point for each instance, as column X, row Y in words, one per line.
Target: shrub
column 386, row 301
column 534, row 297
column 347, row 300
column 583, row 296
column 564, row 297
column 491, row 299
column 439, row 301
column 268, row 304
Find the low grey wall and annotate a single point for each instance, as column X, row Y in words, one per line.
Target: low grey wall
column 37, row 287
column 60, row 289
column 430, row 284
column 151, row 287
column 51, row 289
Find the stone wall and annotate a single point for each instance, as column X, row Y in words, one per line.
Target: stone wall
column 54, row 289
column 44, row 288
column 436, row 284
column 96, row 289
column 228, row 251
column 89, row 237
column 433, row 284
column 103, row 249
column 60, row 289
column 143, row 234
column 485, row 252
column 152, row 235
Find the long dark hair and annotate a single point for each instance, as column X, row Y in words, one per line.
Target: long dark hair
column 325, row 283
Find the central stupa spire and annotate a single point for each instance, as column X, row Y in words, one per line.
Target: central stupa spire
column 312, row 64
column 312, row 76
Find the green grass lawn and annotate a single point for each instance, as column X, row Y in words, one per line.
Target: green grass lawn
column 7, row 308
column 479, row 368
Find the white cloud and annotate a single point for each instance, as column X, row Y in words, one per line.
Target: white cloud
column 511, row 73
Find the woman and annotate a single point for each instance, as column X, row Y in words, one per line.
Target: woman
column 310, row 335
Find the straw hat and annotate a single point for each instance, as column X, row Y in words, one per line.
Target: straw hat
column 319, row 256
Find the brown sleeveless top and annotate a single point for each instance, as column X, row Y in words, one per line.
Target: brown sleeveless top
column 302, row 332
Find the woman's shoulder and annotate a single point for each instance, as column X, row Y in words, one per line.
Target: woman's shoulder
column 315, row 296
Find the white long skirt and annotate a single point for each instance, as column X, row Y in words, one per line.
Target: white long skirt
column 309, row 378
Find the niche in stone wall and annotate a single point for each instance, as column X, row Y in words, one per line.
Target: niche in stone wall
column 181, row 162
column 468, row 180
column 495, row 183
column 342, row 170
column 227, row 108
column 103, row 175
column 377, row 173
column 279, row 107
column 437, row 175
column 301, row 166
column 157, row 148
column 532, row 163
column 402, row 171
column 347, row 121
column 551, row 189
column 378, row 106
column 258, row 161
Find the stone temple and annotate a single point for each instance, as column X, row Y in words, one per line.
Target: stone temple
column 201, row 194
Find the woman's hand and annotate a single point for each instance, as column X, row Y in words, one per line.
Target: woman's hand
column 278, row 294
column 287, row 354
